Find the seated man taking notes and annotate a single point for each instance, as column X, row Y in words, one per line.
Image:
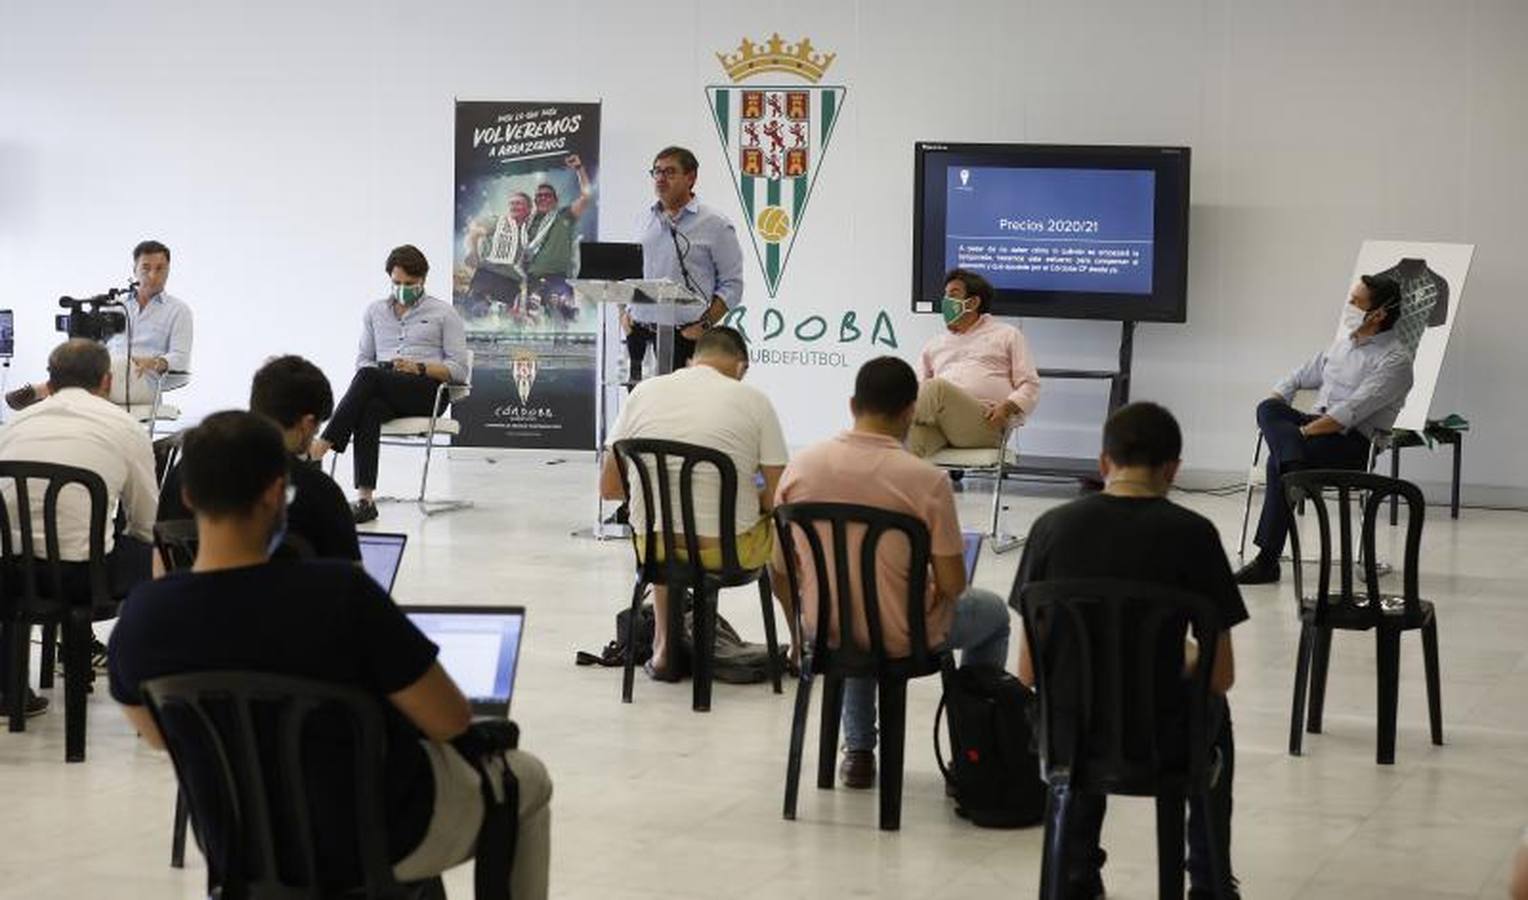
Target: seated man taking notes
column 977, row 378
column 867, row 465
column 707, row 405
column 324, row 620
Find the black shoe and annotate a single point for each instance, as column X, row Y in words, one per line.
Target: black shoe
column 1233, row 892
column 363, row 511
column 1087, row 889
column 97, row 656
column 22, row 397
column 858, row 769
column 34, row 706
column 1259, row 571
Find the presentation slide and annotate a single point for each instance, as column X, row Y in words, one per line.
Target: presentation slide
column 1044, row 229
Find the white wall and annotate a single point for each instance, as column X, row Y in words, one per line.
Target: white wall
column 281, row 148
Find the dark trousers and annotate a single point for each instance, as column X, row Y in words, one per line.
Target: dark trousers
column 1085, row 858
column 643, row 335
column 129, row 563
column 1289, row 451
column 375, row 396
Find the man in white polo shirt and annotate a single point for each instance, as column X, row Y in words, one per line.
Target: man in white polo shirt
column 708, row 405
column 76, row 425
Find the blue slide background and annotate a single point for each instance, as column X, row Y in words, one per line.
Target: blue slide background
column 1121, row 201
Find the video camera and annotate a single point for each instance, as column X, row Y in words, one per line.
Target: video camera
column 97, row 318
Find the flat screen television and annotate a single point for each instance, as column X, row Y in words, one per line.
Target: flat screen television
column 1064, row 232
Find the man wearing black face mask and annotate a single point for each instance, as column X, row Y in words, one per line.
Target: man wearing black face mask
column 410, row 343
column 1363, row 378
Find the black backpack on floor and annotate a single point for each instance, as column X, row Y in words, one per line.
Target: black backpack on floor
column 993, row 772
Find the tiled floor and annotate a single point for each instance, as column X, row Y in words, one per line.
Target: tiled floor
column 653, row 800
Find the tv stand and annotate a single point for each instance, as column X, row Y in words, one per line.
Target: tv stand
column 1085, row 469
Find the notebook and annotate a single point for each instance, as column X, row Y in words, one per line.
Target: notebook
column 381, row 554
column 972, row 551
column 479, row 649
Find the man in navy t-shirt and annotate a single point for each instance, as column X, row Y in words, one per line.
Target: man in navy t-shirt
column 1132, row 531
column 328, row 621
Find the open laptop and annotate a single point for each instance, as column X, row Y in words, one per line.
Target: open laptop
column 479, row 649
column 973, row 552
column 609, row 261
column 381, row 554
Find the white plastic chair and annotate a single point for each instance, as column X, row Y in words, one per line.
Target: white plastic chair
column 995, row 461
column 156, row 410
column 409, row 431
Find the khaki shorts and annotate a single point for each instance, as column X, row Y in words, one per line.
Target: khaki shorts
column 754, row 547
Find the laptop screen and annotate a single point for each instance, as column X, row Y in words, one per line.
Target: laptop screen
column 479, row 649
column 972, row 551
column 381, row 554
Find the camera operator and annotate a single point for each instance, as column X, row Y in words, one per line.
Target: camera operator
column 156, row 339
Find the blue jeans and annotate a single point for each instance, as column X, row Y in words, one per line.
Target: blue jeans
column 979, row 630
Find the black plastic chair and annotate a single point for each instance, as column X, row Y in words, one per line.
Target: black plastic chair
column 1116, row 714
column 39, row 589
column 842, row 658
column 682, row 573
column 236, row 739
column 175, row 542
column 1348, row 608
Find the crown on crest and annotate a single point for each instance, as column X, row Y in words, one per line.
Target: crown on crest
column 775, row 55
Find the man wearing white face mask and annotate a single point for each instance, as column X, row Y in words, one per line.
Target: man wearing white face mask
column 410, row 343
column 975, row 379
column 1363, row 378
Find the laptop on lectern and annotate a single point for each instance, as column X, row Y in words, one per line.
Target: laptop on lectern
column 609, row 261
column 479, row 649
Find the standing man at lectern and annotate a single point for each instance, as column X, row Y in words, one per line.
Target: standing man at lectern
column 691, row 244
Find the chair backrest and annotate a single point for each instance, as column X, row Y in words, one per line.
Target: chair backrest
column 1116, row 713
column 176, row 541
column 15, row 478
column 835, row 600
column 237, row 742
column 652, row 459
column 1311, row 486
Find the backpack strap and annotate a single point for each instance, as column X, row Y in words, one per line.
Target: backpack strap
column 481, row 745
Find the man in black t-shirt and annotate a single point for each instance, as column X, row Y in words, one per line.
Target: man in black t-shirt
column 296, row 395
column 1132, row 531
column 325, row 620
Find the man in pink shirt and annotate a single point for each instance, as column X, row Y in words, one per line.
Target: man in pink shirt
column 976, row 379
column 868, row 465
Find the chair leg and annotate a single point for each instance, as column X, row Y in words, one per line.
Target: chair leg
column 19, row 633
column 1241, row 543
column 1320, row 662
column 1388, row 655
column 892, row 709
column 1170, row 813
column 827, row 737
column 1434, row 682
column 77, row 636
column 1220, row 858
column 48, row 661
column 1058, row 810
column 798, row 738
column 704, row 644
column 178, row 832
column 629, row 675
column 771, row 639
column 1302, row 680
column 1453, row 493
column 429, row 445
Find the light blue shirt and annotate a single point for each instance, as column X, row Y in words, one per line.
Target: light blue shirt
column 429, row 331
column 1362, row 382
column 712, row 256
column 161, row 328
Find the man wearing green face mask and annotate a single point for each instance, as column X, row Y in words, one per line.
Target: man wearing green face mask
column 976, row 379
column 410, row 343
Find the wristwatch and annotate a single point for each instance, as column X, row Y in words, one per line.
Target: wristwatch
column 421, row 369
